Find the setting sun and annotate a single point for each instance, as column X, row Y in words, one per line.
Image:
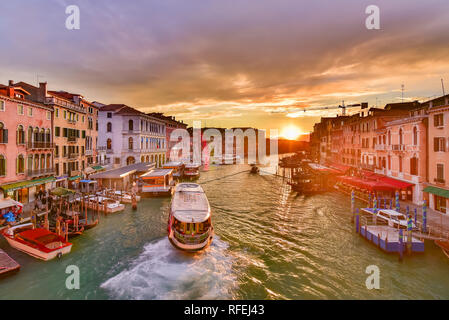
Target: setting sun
column 291, row 133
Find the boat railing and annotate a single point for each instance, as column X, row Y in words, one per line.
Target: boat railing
column 191, row 239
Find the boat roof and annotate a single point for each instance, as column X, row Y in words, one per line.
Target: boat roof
column 392, row 212
column 124, row 171
column 173, row 164
column 6, row 203
column 157, row 173
column 192, row 165
column 190, row 203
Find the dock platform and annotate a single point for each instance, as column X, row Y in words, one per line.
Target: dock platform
column 7, row 264
column 387, row 238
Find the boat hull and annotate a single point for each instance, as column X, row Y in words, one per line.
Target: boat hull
column 188, row 247
column 37, row 253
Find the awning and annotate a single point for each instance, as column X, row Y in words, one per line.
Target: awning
column 97, row 168
column 62, row 192
column 26, row 184
column 75, row 177
column 6, row 203
column 340, row 167
column 398, row 184
column 437, row 191
column 89, row 170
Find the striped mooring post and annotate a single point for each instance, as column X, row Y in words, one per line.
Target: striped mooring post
column 369, row 199
column 375, row 205
column 424, row 217
column 416, row 216
column 401, row 244
column 357, row 220
column 391, row 204
column 398, row 205
column 409, row 233
column 352, row 205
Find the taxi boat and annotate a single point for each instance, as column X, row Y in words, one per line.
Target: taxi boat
column 39, row 243
column 178, row 168
column 192, row 171
column 189, row 223
column 158, row 182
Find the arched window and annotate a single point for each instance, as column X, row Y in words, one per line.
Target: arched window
column 142, row 159
column 36, row 162
column 400, row 164
column 48, row 135
column 400, row 136
column 389, row 137
column 2, row 165
column 20, row 135
column 42, row 161
column 130, row 125
column 130, row 160
column 20, row 164
column 130, row 143
column 30, row 162
column 109, row 127
column 415, row 136
column 36, row 134
column 148, row 158
column 414, row 166
column 3, row 133
column 109, row 144
column 48, row 162
column 30, row 135
column 42, row 135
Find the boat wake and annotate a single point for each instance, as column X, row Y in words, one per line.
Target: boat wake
column 162, row 272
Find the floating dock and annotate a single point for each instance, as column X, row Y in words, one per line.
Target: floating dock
column 7, row 264
column 387, row 238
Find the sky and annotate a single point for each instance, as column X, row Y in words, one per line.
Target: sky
column 257, row 63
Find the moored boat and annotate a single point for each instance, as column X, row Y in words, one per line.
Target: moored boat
column 103, row 204
column 39, row 243
column 192, row 171
column 177, row 167
column 189, row 223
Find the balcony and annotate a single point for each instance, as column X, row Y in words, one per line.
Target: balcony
column 71, row 121
column 88, row 152
column 40, row 172
column 65, row 104
column 72, row 139
column 73, row 155
column 40, row 145
column 380, row 147
column 398, row 147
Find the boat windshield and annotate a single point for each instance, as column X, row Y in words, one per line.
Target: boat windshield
column 191, row 228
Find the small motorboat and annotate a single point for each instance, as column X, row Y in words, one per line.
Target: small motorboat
column 189, row 223
column 7, row 265
column 39, row 243
column 254, row 169
column 178, row 168
column 192, row 171
column 156, row 183
column 444, row 245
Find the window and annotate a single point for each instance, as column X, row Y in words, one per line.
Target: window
column 389, row 137
column 20, row 164
column 439, row 144
column 109, row 114
column 30, row 112
column 440, row 204
column 2, row 105
column 64, row 132
column 130, row 125
column 130, row 143
column 109, row 127
column 414, row 166
column 440, row 173
column 109, row 144
column 57, row 113
column 117, row 160
column 20, row 110
column 3, row 134
column 415, row 136
column 57, row 131
column 438, row 120
column 20, row 135
column 401, row 136
column 2, row 166
column 400, row 164
column 83, row 134
column 65, row 114
column 48, row 115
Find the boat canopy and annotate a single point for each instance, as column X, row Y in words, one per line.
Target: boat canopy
column 190, row 204
column 173, row 164
column 157, row 173
column 6, row 203
column 192, row 165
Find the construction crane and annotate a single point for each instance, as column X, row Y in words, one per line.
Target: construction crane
column 362, row 105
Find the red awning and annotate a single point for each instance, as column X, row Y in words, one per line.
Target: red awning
column 370, row 185
column 340, row 167
column 397, row 184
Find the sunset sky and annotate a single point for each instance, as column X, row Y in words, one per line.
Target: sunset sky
column 230, row 63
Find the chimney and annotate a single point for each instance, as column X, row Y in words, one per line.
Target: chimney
column 42, row 92
column 10, row 83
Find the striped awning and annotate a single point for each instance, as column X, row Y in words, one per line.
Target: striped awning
column 437, row 191
column 25, row 184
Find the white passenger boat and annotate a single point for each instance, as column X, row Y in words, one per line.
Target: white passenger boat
column 192, row 170
column 189, row 223
column 158, row 182
column 122, row 196
column 39, row 243
column 391, row 217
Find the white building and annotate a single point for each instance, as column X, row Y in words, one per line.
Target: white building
column 127, row 136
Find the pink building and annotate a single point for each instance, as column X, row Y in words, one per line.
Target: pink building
column 437, row 191
column 404, row 145
column 26, row 145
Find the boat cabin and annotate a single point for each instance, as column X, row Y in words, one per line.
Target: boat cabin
column 177, row 166
column 192, row 170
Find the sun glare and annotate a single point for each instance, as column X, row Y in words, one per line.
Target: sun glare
column 291, row 133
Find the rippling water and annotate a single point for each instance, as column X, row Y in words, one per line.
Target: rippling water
column 271, row 244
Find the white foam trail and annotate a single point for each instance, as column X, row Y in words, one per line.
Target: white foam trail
column 163, row 272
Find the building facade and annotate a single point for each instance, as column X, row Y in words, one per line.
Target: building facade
column 129, row 136
column 26, row 145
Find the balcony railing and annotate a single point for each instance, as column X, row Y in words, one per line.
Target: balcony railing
column 64, row 103
column 40, row 172
column 398, row 147
column 40, row 145
column 72, row 139
column 379, row 147
column 88, row 152
column 73, row 155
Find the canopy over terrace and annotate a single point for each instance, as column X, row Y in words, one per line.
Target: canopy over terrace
column 369, row 185
column 121, row 178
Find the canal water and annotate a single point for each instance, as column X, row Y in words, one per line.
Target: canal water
column 270, row 244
